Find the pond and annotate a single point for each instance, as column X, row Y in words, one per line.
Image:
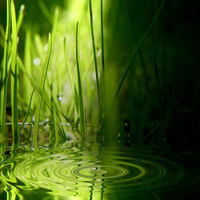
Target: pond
column 89, row 171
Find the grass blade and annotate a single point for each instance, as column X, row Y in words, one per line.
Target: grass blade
column 45, row 11
column 21, row 16
column 53, row 137
column 80, row 88
column 164, row 123
column 27, row 113
column 95, row 60
column 39, row 101
column 71, row 79
column 14, row 75
column 2, row 33
column 150, row 133
column 134, row 53
column 102, row 126
column 28, row 63
column 55, row 24
column 141, row 58
column 5, row 75
column 102, row 38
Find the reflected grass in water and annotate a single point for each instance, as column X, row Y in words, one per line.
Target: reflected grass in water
column 92, row 172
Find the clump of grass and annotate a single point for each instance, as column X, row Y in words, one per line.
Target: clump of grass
column 58, row 86
column 9, row 65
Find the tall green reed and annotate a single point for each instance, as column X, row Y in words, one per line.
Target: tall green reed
column 39, row 101
column 81, row 107
column 14, row 76
column 95, row 59
column 5, row 72
column 9, row 63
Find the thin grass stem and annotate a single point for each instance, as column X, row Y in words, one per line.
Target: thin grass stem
column 54, row 136
column 134, row 53
column 39, row 101
column 21, row 16
column 139, row 52
column 52, row 133
column 95, row 60
column 45, row 11
column 103, row 92
column 71, row 79
column 80, row 86
column 102, row 37
column 34, row 83
column 27, row 113
column 55, row 24
column 14, row 74
column 5, row 74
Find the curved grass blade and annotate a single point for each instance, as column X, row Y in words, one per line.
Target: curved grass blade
column 134, row 53
column 39, row 101
column 150, row 133
column 27, row 113
column 71, row 80
column 54, row 135
column 59, row 125
column 165, row 121
column 34, row 83
column 141, row 57
column 95, row 59
column 80, row 87
column 21, row 16
column 45, row 11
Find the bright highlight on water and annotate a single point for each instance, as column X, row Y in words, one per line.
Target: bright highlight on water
column 89, row 173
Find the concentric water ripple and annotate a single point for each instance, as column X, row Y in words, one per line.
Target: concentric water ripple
column 84, row 171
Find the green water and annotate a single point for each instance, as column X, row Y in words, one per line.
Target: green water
column 91, row 172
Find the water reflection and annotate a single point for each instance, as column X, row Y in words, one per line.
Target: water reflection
column 89, row 173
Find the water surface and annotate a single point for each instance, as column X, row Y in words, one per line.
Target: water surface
column 92, row 172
